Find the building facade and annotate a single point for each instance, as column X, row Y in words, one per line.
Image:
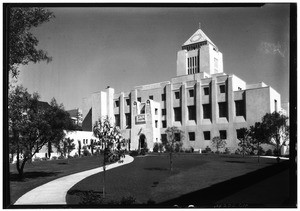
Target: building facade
column 201, row 100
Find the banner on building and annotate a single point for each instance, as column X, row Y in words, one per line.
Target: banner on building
column 140, row 119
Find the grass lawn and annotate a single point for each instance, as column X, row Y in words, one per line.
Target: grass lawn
column 38, row 173
column 148, row 178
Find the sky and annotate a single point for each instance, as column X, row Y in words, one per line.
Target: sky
column 96, row 47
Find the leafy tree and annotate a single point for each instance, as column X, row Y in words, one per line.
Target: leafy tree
column 258, row 136
column 22, row 43
column 245, row 141
column 111, row 139
column 66, row 146
column 218, row 143
column 276, row 129
column 174, row 137
column 32, row 125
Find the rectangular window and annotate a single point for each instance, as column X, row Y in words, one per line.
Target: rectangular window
column 206, row 90
column 275, row 104
column 177, row 114
column 156, row 123
column 191, row 93
column 192, row 112
column 222, row 88
column 163, row 111
column 163, row 97
column 156, row 111
column 177, row 136
column 128, row 102
column 192, row 136
column 223, row 109
column 164, row 123
column 151, row 97
column 139, row 99
column 117, row 119
column 177, row 95
column 239, row 108
column 163, row 138
column 206, row 111
column 239, row 134
column 128, row 120
column 223, row 134
column 206, row 135
column 117, row 103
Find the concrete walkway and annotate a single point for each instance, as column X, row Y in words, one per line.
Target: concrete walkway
column 55, row 192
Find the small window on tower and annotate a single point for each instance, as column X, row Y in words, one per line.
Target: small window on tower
column 116, row 103
column 139, row 99
column 151, row 97
column 206, row 90
column 222, row 88
column 191, row 93
column 163, row 97
column 177, row 96
column 128, row 102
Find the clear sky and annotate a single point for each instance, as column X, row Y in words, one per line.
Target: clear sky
column 93, row 48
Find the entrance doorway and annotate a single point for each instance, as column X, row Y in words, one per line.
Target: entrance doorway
column 142, row 142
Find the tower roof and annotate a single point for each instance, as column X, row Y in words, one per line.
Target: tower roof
column 197, row 37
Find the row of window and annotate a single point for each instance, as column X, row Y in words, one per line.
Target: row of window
column 206, row 134
column 239, row 108
column 206, row 91
column 85, row 141
column 223, row 111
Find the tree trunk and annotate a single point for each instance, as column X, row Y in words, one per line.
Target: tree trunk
column 171, row 162
column 104, row 171
column 258, row 152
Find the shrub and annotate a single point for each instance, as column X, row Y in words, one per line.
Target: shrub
column 61, row 157
column 155, row 147
column 86, row 152
column 134, row 153
column 76, row 156
column 269, row 152
column 44, row 159
column 151, row 202
column 91, row 198
column 54, row 158
column 128, row 200
column 227, row 151
column 208, row 149
column 237, row 152
column 37, row 159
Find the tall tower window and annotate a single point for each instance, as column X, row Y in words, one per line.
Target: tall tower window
column 163, row 97
column 177, row 114
column 177, row 95
column 222, row 88
column 223, row 109
column 239, row 108
column 128, row 120
column 192, row 112
column 206, row 111
column 275, row 104
column 216, row 66
column 117, row 120
column 191, row 93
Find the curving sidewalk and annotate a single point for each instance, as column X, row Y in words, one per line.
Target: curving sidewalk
column 55, row 192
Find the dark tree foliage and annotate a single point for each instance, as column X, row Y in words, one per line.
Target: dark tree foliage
column 22, row 43
column 32, row 125
column 218, row 143
column 276, row 129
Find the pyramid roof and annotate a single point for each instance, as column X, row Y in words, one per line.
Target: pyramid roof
column 197, row 37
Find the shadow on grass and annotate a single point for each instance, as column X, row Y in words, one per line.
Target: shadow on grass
column 208, row 197
column 31, row 175
column 156, row 169
column 234, row 161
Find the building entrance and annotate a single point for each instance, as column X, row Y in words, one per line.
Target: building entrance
column 142, row 142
